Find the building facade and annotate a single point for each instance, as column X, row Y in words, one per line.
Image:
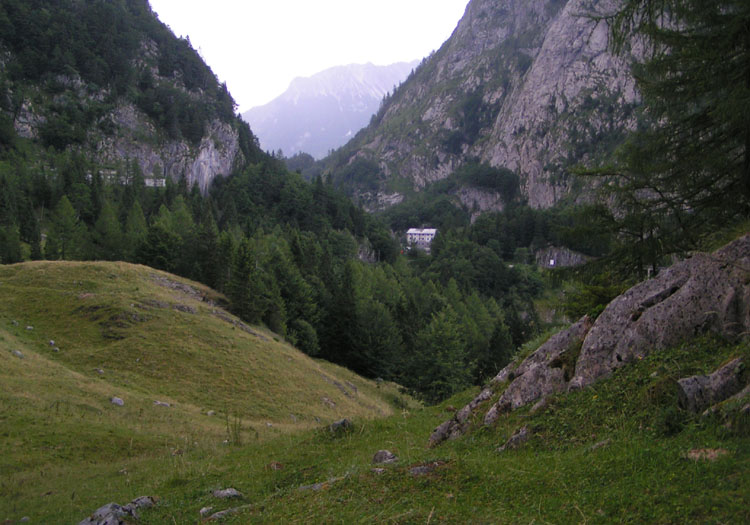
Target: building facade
column 420, row 238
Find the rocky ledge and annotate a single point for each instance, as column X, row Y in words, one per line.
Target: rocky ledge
column 705, row 293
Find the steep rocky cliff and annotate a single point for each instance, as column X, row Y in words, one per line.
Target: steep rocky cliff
column 214, row 156
column 528, row 86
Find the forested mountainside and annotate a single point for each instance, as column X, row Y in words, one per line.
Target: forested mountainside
column 320, row 113
column 110, row 81
column 120, row 381
column 300, row 257
column 530, row 87
column 98, row 162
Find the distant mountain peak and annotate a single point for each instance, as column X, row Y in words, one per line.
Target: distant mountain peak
column 321, row 112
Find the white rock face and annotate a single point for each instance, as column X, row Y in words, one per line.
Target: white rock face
column 478, row 201
column 533, row 131
column 27, row 122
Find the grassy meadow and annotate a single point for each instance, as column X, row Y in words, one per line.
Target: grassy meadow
column 617, row 452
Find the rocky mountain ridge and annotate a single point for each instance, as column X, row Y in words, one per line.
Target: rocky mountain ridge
column 319, row 113
column 528, row 86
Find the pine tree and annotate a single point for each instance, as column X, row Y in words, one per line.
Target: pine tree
column 135, row 230
column 206, row 250
column 245, row 285
column 440, row 367
column 159, row 248
column 10, row 245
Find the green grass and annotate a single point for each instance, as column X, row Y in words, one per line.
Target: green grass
column 66, row 446
column 67, row 450
column 640, row 474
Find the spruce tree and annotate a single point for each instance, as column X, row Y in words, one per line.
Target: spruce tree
column 67, row 234
column 135, row 230
column 107, row 236
column 440, row 367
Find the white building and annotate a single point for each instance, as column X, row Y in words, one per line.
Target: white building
column 420, row 238
column 152, row 182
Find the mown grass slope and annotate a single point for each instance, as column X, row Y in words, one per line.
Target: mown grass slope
column 75, row 335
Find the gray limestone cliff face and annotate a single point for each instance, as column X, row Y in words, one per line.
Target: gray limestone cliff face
column 478, row 201
column 575, row 94
column 136, row 139
column 530, row 86
column 559, row 257
column 214, row 156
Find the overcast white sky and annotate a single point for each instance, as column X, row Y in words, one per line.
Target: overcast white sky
column 258, row 46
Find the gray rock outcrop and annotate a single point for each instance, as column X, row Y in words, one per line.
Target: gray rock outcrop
column 546, row 371
column 114, row 514
column 705, row 293
column 340, row 427
column 384, row 457
column 229, row 493
column 518, row 438
column 557, row 257
column 696, row 393
column 214, row 156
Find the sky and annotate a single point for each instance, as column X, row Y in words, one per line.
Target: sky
column 259, row 46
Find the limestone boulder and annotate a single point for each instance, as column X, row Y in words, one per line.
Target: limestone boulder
column 546, row 371
column 706, row 293
column 702, row 294
column 696, row 393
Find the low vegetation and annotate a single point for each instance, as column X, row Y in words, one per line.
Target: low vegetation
column 193, row 380
column 618, row 451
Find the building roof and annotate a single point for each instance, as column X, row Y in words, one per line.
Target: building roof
column 412, row 231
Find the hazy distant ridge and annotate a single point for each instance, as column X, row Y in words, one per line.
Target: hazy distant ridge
column 322, row 112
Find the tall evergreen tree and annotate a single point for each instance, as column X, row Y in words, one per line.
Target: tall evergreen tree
column 245, row 285
column 206, row 250
column 689, row 165
column 10, row 245
column 107, row 237
column 440, row 368
column 67, row 236
column 135, row 230
column 159, row 248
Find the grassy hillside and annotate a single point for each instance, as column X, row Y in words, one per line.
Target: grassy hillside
column 620, row 451
column 127, row 331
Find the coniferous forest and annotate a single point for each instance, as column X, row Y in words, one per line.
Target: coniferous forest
column 286, row 252
column 304, row 260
